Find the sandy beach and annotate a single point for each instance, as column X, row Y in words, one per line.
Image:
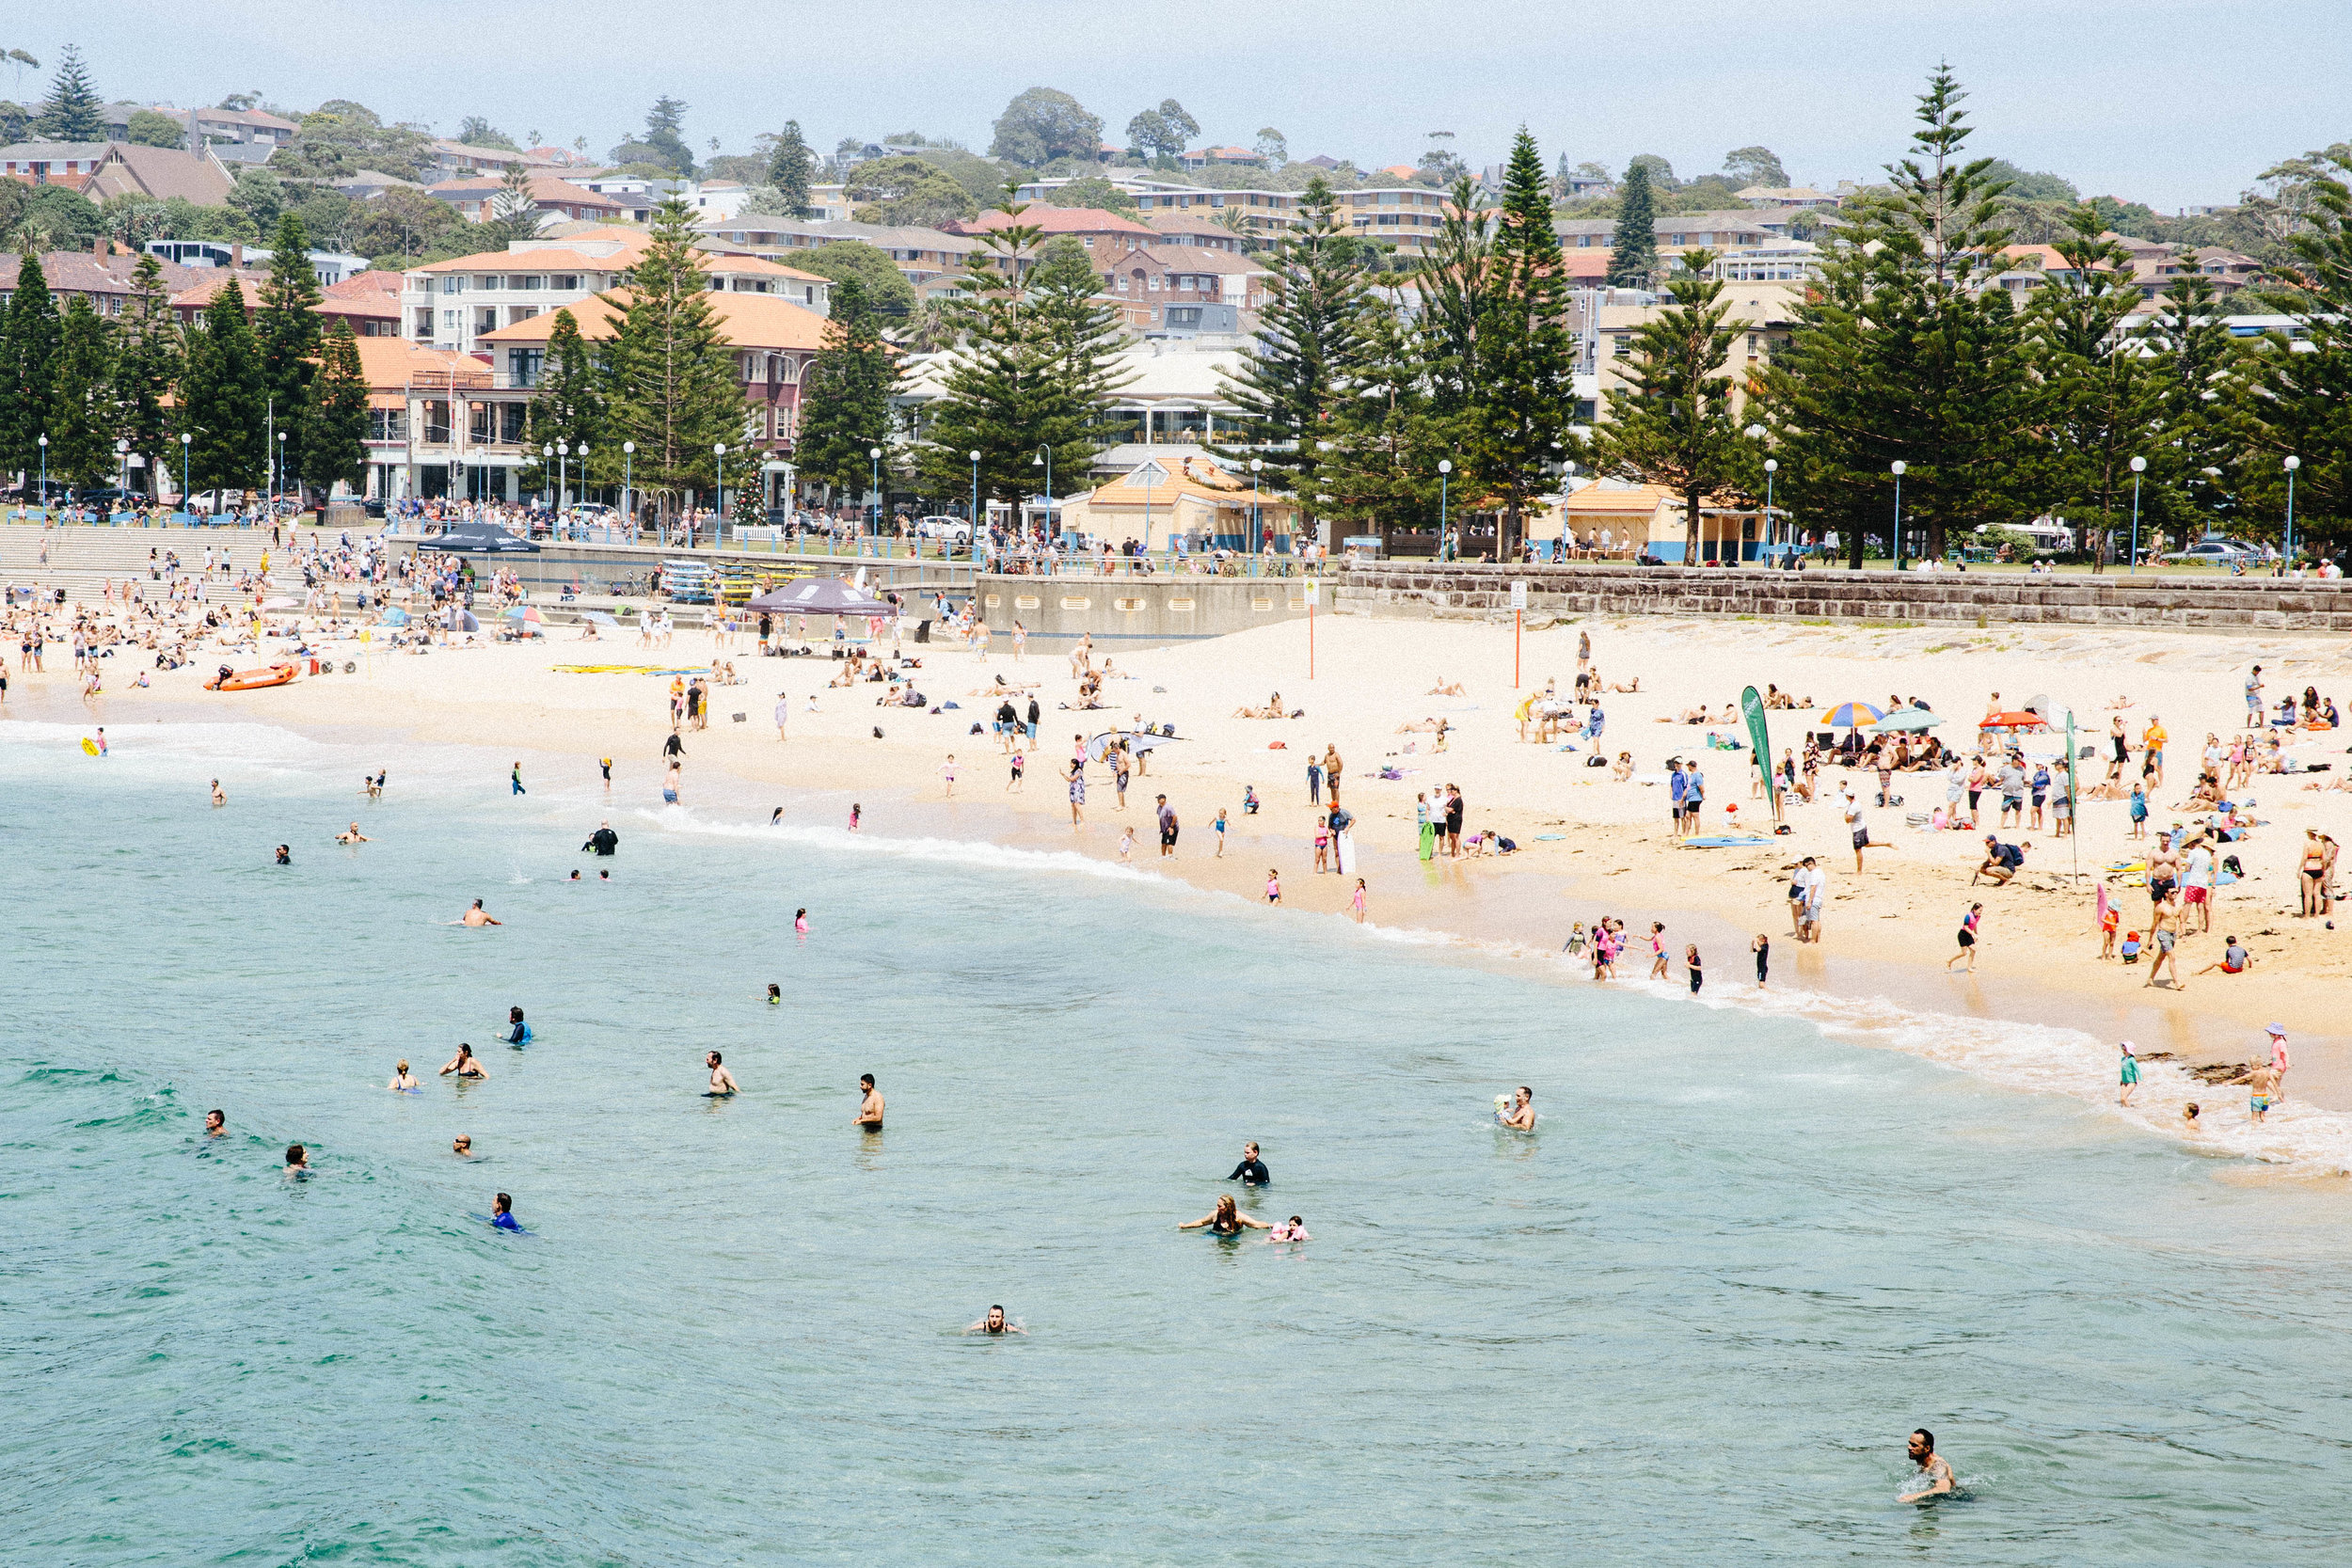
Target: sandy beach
column 1588, row 845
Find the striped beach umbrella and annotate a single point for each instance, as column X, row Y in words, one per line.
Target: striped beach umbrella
column 1852, row 716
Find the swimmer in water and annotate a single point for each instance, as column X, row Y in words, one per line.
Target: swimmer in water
column 215, row 1124
column 1933, row 1468
column 502, row 1214
column 478, row 916
column 218, row 799
column 1292, row 1229
column 1251, row 1172
column 1522, row 1112
column 800, row 923
column 2188, row 1115
column 1226, row 1219
column 353, row 835
column 297, row 1159
column 403, row 1079
column 464, row 1064
column 775, row 816
column 721, row 1081
column 462, row 1145
column 995, row 1323
column 870, row 1110
column 517, row 1032
column 776, row 994
column 285, row 854
column 371, row 787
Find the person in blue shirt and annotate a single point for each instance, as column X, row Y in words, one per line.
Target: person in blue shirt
column 2139, row 811
column 502, row 1214
column 2040, row 793
column 1678, row 787
column 519, row 1033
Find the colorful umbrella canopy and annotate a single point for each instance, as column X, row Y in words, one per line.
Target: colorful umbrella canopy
column 526, row 612
column 2013, row 722
column 1853, row 716
column 395, row 617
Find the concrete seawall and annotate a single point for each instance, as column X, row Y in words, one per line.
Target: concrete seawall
column 1140, row 612
column 1837, row 596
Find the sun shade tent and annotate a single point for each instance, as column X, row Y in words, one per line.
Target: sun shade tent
column 821, row 597
column 2014, row 721
column 482, row 539
column 1906, row 721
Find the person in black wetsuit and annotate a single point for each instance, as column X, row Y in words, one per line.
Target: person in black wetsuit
column 519, row 1033
column 1251, row 1172
column 604, row 840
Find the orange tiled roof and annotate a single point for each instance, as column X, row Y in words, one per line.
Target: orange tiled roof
column 749, row 321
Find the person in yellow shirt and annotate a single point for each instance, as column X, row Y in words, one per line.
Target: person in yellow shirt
column 2152, row 739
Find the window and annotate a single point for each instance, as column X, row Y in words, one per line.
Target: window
column 478, row 429
column 521, row 314
column 424, row 324
column 388, row 424
column 524, row 365
column 1154, row 283
column 453, row 284
column 490, row 280
column 511, row 421
column 1620, row 343
column 436, row 423
column 448, row 319
column 487, row 319
column 566, row 282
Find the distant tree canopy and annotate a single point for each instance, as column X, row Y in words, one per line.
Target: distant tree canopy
column 905, row 189
column 886, row 287
column 1041, row 125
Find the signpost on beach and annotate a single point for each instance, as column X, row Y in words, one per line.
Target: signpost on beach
column 1760, row 737
column 1519, row 613
column 2073, row 802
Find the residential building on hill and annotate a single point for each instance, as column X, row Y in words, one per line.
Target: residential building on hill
column 921, row 254
column 1788, row 196
column 1183, row 289
column 1228, row 157
column 556, row 198
column 1091, row 226
column 455, row 159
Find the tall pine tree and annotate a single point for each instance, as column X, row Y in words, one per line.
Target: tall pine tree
column 146, row 370
column 73, row 111
column 845, row 409
column 789, row 169
column 286, row 328
column 1901, row 353
column 1633, row 239
column 2303, row 405
column 1672, row 424
column 2204, row 397
column 2101, row 395
column 672, row 375
column 1311, row 351
column 82, row 417
column 1526, row 386
column 335, row 423
column 224, row 398
column 29, row 353
column 571, row 407
column 1387, row 439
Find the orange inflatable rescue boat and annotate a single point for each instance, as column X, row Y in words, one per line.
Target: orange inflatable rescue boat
column 252, row 680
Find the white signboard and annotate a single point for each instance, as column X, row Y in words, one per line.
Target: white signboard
column 1519, row 595
column 1314, row 590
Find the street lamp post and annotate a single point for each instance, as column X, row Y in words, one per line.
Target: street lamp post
column 2140, row 466
column 1044, row 459
column 1897, row 467
column 45, row 475
column 1756, row 432
column 545, row 452
column 874, row 487
column 718, row 523
column 562, row 475
column 1445, row 538
column 281, row 474
column 973, row 544
column 1257, row 513
column 269, row 457
column 184, row 439
column 2291, row 466
column 580, row 451
column 628, row 483
column 1771, row 467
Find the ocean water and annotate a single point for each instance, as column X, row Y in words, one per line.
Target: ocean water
column 1690, row 1319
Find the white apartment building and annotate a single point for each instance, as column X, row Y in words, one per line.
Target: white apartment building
column 450, row 305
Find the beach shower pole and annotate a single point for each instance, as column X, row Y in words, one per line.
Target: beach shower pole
column 873, row 488
column 44, row 476
column 719, row 495
column 628, row 481
column 184, row 439
column 2140, row 466
column 975, row 541
column 2293, row 463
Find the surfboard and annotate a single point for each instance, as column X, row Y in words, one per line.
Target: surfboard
column 88, row 745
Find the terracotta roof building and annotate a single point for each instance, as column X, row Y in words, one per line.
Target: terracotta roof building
column 554, row 198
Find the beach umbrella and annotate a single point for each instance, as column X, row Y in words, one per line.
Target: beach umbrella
column 460, row 620
column 821, row 596
column 597, row 617
column 395, row 617
column 526, row 612
column 1852, row 716
column 2013, row 722
column 1909, row 720
column 282, row 602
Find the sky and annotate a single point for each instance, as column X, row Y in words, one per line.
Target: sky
column 2166, row 102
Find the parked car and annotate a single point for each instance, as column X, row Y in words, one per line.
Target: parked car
column 942, row 528
column 2210, row 552
column 107, row 495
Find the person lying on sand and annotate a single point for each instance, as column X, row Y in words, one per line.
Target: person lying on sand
column 1633, row 685
column 1433, row 726
column 1445, row 689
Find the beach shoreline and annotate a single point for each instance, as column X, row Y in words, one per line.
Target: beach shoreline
column 1612, row 854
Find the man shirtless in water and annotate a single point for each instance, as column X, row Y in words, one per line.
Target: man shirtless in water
column 721, row 1081
column 479, row 916
column 1522, row 1112
column 1936, row 1472
column 870, row 1110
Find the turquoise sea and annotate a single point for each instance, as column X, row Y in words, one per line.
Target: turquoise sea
column 1690, row 1320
